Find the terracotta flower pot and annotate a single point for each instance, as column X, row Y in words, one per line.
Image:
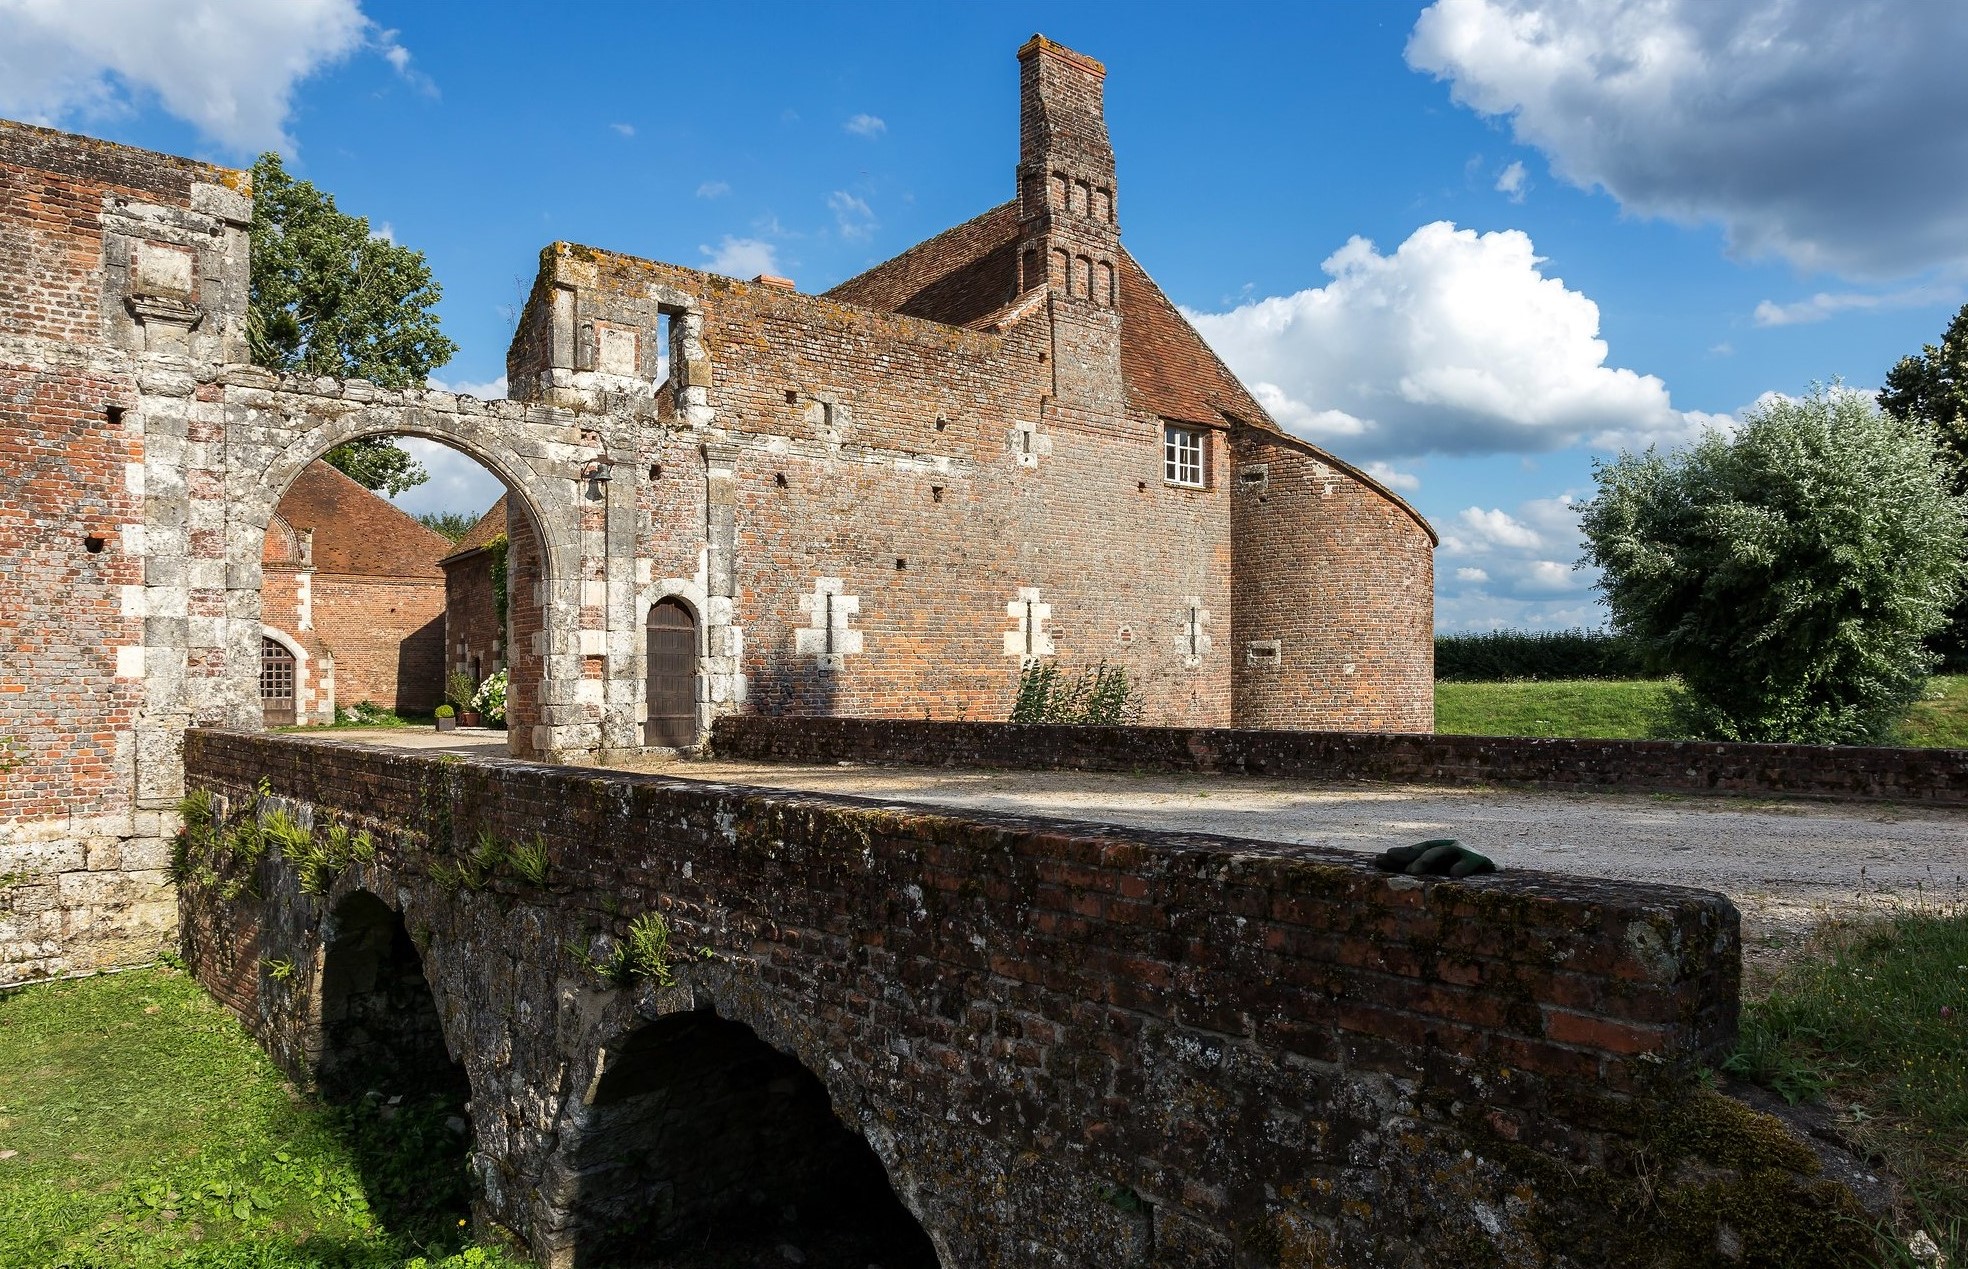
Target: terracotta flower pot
column 468, row 718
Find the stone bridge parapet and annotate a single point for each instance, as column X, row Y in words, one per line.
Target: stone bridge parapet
column 1066, row 1044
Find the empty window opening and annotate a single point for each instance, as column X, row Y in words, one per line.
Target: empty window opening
column 665, row 354
column 1184, row 459
column 656, row 471
column 792, row 397
column 114, row 413
column 94, row 543
column 936, row 493
column 901, row 564
column 382, row 1056
column 941, row 422
column 702, row 1136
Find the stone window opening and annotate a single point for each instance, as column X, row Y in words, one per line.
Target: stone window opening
column 1185, row 456
column 666, row 358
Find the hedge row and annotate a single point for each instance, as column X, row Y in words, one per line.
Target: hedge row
column 1503, row 655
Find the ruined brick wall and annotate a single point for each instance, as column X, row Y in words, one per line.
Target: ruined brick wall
column 939, row 475
column 1692, row 766
column 1276, row 1056
column 108, row 254
column 387, row 636
column 1334, row 595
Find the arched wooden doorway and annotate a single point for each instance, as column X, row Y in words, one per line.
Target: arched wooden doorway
column 672, row 683
column 276, row 683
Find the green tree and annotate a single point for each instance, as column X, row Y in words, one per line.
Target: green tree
column 331, row 298
column 1931, row 387
column 1788, row 575
column 452, row 524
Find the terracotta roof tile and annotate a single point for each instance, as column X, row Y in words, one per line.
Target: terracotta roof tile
column 357, row 532
column 488, row 526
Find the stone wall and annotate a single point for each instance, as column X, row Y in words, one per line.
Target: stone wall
column 1066, row 1045
column 1827, row 771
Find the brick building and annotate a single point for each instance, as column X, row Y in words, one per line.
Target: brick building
column 1003, row 445
column 352, row 602
column 474, row 625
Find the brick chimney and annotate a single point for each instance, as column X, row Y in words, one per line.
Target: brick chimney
column 1070, row 233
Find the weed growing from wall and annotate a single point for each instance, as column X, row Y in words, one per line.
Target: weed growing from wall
column 1101, row 696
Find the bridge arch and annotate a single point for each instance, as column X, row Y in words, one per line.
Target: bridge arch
column 692, row 1126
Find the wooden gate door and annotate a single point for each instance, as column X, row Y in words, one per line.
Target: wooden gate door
column 276, row 683
column 672, row 677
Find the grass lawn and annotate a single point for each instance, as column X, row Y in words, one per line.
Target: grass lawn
column 139, row 1125
column 1872, row 1016
column 1635, row 709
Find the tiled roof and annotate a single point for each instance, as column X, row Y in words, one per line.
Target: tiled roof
column 1166, row 367
column 488, row 526
column 357, row 532
column 956, row 277
column 964, row 275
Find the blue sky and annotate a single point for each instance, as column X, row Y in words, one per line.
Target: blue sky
column 1474, row 243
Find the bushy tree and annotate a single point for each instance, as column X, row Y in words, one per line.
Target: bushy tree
column 1931, row 387
column 331, row 298
column 1789, row 574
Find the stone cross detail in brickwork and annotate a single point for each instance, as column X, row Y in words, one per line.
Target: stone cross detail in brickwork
column 1194, row 632
column 827, row 637
column 1030, row 640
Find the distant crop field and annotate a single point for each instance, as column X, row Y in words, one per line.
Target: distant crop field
column 1635, row 709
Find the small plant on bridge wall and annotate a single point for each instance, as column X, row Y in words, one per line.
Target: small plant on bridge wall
column 645, row 952
column 215, row 854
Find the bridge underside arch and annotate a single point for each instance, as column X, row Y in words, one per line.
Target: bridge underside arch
column 696, row 1131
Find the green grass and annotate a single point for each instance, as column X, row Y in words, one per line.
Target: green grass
column 1616, row 709
column 1874, row 1019
column 146, row 1128
column 1635, row 709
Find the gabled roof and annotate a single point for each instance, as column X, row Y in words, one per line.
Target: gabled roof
column 966, row 275
column 357, row 532
column 487, row 527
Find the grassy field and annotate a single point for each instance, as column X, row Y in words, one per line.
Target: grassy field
column 1872, row 1017
column 1635, row 709
column 139, row 1125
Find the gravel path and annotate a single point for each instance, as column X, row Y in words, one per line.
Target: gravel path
column 1786, row 864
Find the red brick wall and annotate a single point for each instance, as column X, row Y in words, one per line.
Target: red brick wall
column 1092, row 525
column 64, row 711
column 387, row 637
column 471, row 617
column 1344, row 579
column 525, row 617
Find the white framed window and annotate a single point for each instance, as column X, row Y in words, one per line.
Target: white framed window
column 1185, row 452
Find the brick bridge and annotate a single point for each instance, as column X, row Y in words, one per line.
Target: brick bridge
column 985, row 1040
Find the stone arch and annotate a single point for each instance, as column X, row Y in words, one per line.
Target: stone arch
column 534, row 456
column 379, row 1046
column 693, row 1126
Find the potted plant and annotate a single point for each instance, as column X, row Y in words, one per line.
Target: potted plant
column 459, row 689
column 446, row 718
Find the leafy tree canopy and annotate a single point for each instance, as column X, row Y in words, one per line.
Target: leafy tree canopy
column 331, row 298
column 1788, row 575
column 1932, row 387
column 452, row 524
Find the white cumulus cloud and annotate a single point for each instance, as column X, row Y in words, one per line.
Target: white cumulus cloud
column 741, row 257
column 1515, row 568
column 1824, row 132
column 1455, row 343
column 228, row 67
column 713, row 189
column 866, row 125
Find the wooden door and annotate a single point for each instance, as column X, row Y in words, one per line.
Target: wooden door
column 276, row 683
column 672, row 690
